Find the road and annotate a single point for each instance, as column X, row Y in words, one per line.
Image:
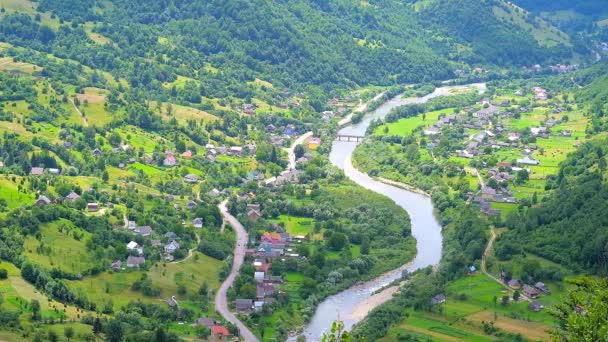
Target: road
column 484, row 268
column 221, row 299
column 290, row 151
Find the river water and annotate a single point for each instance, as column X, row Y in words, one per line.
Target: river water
column 347, row 305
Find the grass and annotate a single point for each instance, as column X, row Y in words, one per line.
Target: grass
column 182, row 113
column 296, row 225
column 116, row 286
column 192, row 273
column 9, row 64
column 10, row 193
column 404, row 127
column 64, row 251
column 17, row 294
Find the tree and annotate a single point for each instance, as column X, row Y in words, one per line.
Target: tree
column 505, row 300
column 365, row 246
column 583, row 314
column 299, row 151
column 337, row 334
column 105, row 176
column 68, row 332
column 516, row 295
column 35, row 307
column 3, row 273
column 97, row 326
column 337, row 241
column 114, row 331
column 52, row 336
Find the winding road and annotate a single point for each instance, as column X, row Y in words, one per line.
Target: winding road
column 221, row 298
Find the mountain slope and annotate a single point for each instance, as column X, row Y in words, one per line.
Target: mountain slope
column 291, row 43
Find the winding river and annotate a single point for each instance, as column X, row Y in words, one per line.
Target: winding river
column 353, row 304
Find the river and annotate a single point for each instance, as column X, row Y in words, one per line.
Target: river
column 353, row 304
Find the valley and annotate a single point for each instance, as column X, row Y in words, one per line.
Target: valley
column 302, row 170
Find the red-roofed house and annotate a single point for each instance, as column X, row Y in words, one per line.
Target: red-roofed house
column 220, row 331
column 271, row 238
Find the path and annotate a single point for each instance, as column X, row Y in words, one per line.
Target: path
column 484, row 268
column 190, row 251
column 291, row 150
column 221, row 299
column 84, row 119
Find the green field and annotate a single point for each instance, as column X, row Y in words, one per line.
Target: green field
column 295, row 225
column 62, row 246
column 406, row 126
column 116, row 286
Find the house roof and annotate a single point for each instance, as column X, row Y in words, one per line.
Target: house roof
column 172, row 245
column 132, row 245
column 243, row 304
column 145, row 230
column 135, row 260
column 37, row 171
column 72, row 196
column 44, row 199
column 206, row 321
column 220, row 330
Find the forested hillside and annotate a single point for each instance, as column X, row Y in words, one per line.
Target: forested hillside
column 294, row 43
column 569, row 228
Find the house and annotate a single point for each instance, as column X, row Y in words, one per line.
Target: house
column 486, row 113
column 206, row 322
column 244, row 305
column 514, row 284
column 144, row 231
column 131, row 225
column 190, row 178
column 187, row 155
column 254, row 206
column 567, row 133
column 37, row 171
column 132, row 246
column 155, row 243
column 214, row 193
column 92, row 207
column 116, row 265
column 542, row 287
column 135, row 261
column 197, row 222
column 488, row 193
column 438, row 299
column 43, row 200
column 264, row 290
column 271, row 128
column 472, row 269
column 169, row 159
column 254, row 215
column 432, row 131
column 259, row 277
column 314, row 143
column 96, row 153
column 171, row 236
column 258, row 305
column 220, row 332
column 538, row 130
column 54, row 171
column 191, row 205
column 72, row 196
column 504, row 164
column 535, row 306
column 528, row 161
column 236, row 150
column 513, row 136
column 479, row 137
column 530, row 292
column 171, row 247
column 270, row 182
